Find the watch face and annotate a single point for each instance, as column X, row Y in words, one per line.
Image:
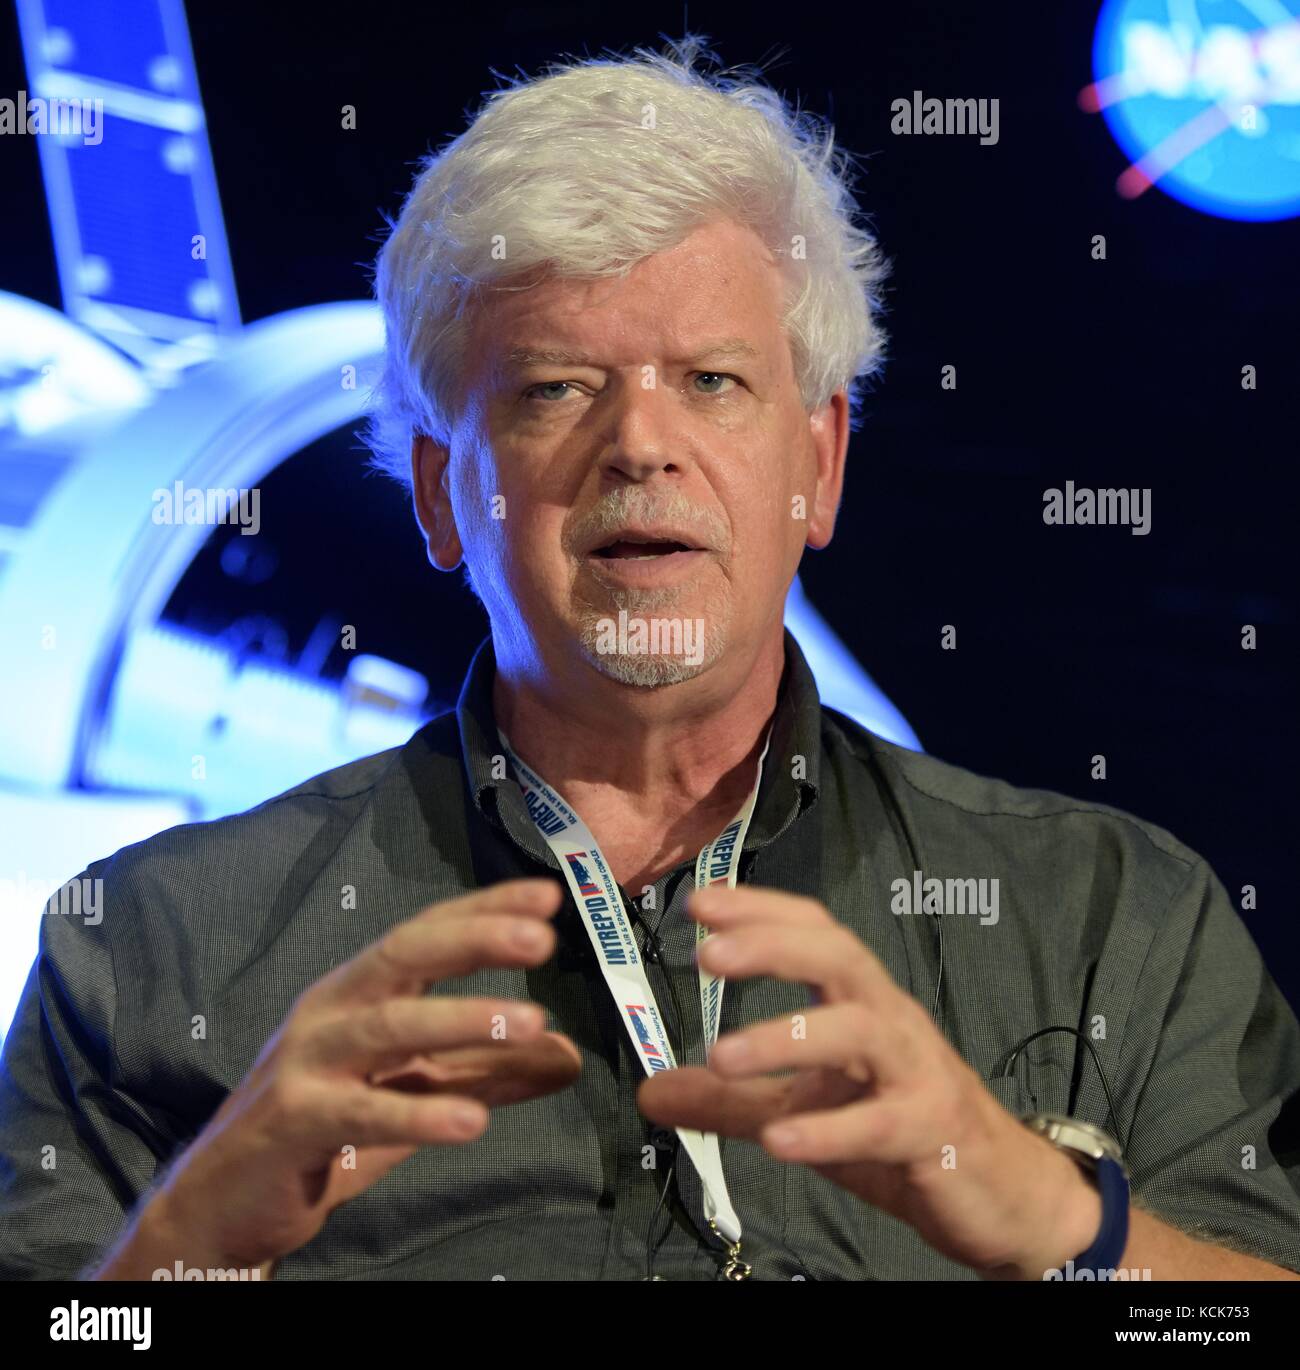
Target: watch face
column 1072, row 1134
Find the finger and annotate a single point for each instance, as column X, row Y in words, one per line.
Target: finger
column 375, row 1036
column 497, row 1075
column 358, row 1115
column 691, row 1096
column 447, row 940
column 831, row 959
column 720, row 906
column 849, row 1037
column 881, row 1130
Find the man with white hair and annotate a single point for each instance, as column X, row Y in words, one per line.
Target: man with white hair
column 628, row 314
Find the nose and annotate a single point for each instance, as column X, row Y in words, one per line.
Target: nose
column 643, row 440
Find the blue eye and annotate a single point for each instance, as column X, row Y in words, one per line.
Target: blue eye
column 714, row 376
column 531, row 394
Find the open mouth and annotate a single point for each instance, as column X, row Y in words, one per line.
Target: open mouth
column 627, row 550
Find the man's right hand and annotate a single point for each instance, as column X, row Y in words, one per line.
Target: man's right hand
column 365, row 1060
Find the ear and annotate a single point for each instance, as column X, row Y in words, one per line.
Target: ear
column 433, row 509
column 829, row 429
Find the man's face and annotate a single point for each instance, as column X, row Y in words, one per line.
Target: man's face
column 634, row 477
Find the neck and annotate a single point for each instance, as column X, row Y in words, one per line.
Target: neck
column 652, row 772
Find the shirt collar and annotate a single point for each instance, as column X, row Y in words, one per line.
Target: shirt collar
column 791, row 772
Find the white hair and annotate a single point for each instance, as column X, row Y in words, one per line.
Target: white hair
column 591, row 168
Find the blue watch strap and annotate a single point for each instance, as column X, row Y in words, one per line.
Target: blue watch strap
column 1107, row 1250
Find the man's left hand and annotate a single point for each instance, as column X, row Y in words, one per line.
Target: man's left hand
column 879, row 1101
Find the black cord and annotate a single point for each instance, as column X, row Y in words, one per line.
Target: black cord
column 1111, row 1116
column 938, row 983
column 913, row 845
column 649, row 1232
column 655, row 957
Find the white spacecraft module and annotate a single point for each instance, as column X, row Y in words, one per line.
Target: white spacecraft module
column 115, row 724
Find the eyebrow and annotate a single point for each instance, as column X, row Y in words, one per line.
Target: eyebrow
column 736, row 349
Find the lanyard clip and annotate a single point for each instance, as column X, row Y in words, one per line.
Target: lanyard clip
column 735, row 1269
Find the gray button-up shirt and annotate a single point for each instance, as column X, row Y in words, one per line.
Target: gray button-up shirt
column 1095, row 924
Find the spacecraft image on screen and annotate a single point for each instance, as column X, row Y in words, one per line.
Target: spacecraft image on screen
column 176, row 648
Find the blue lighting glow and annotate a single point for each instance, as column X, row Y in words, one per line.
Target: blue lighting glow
column 114, row 724
column 1204, row 97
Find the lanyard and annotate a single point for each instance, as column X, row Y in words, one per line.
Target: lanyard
column 596, row 893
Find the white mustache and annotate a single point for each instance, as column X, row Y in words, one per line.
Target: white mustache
column 633, row 505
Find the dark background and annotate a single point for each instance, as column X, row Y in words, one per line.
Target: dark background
column 1071, row 641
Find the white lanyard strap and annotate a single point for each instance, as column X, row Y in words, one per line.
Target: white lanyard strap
column 596, row 893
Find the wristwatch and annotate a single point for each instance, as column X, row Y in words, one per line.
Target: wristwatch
column 1101, row 1158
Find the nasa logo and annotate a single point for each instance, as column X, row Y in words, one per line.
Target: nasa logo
column 1204, row 98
